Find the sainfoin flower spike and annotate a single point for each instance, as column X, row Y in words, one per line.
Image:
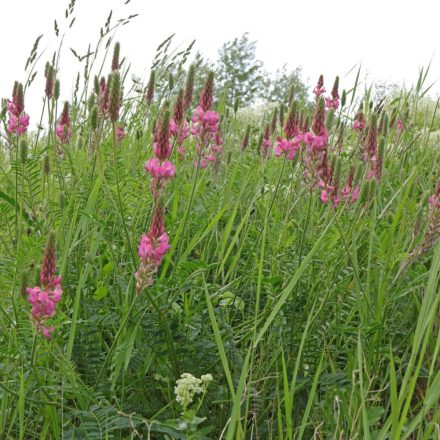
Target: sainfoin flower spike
column 115, row 59
column 359, row 123
column 18, row 121
column 205, row 125
column 245, row 141
column 432, row 232
column 291, row 144
column 319, row 89
column 265, row 146
column 189, row 87
column 120, row 133
column 178, row 126
column 149, row 96
column 152, row 249
column 316, row 139
column 115, row 93
column 333, row 101
column 154, row 245
column 159, row 167
column 44, row 298
column 207, row 95
column 63, row 130
column 49, row 73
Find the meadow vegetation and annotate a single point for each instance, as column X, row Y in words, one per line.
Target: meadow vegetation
column 178, row 263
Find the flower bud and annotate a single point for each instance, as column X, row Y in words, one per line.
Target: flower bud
column 170, row 81
column 281, row 111
column 56, row 90
column 49, row 73
column 150, row 88
column 343, row 98
column 94, row 118
column 189, row 87
column 207, row 94
column 23, row 151
column 330, row 118
column 96, row 85
column 115, row 59
column 49, row 261
column 24, row 283
column 245, row 141
column 46, row 165
column 179, row 111
column 115, row 96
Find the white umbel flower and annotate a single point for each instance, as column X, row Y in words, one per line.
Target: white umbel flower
column 188, row 386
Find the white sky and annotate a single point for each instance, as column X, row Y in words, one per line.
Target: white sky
column 390, row 38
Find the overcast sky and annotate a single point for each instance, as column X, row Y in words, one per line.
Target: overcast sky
column 391, row 39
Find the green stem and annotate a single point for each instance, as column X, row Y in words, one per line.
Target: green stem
column 300, row 256
column 118, row 190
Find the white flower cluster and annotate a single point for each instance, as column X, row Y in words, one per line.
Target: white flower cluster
column 188, row 386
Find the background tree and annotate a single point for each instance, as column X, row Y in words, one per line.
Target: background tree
column 279, row 88
column 239, row 71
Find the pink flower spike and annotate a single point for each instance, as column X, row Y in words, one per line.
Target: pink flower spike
column 332, row 103
column 18, row 124
column 432, row 199
column 120, row 133
column 336, row 201
column 159, row 170
column 47, row 331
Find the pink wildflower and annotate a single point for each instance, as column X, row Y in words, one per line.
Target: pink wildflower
column 152, row 249
column 18, row 125
column 359, row 123
column 265, row 145
column 63, row 130
column 180, row 132
column 319, row 89
column 103, row 95
column 316, row 139
column 349, row 192
column 333, row 102
column 160, row 170
column 207, row 94
column 45, row 298
column 18, row 121
column 205, row 127
column 154, row 245
column 285, row 146
column 120, row 133
column 49, row 74
column 181, row 151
